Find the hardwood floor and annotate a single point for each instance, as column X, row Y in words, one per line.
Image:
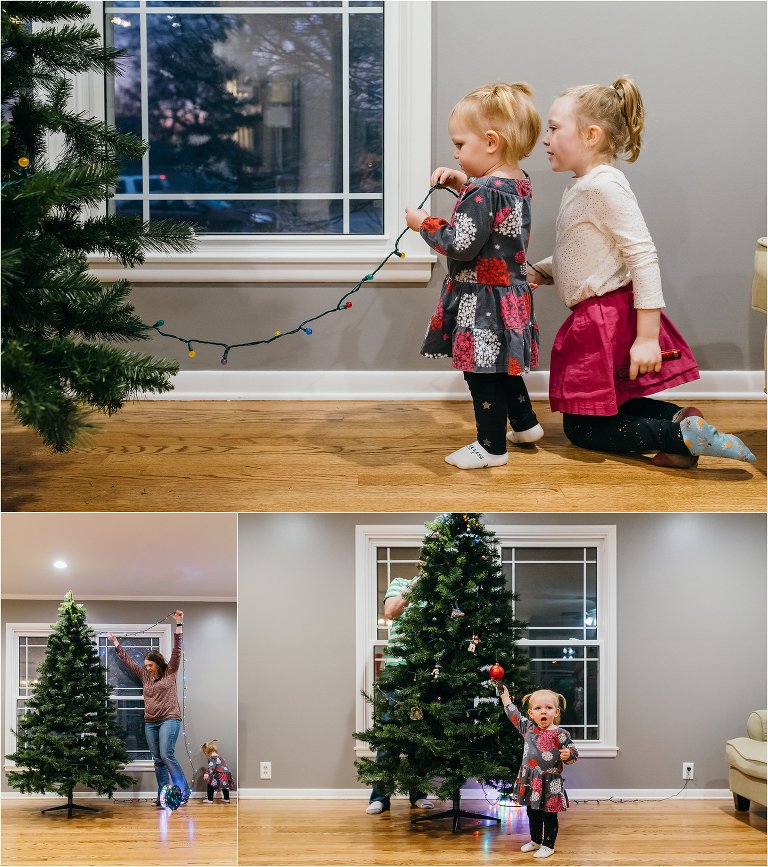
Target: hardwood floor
column 679, row 833
column 122, row 832
column 350, row 456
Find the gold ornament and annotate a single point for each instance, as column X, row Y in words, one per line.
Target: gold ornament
column 24, row 162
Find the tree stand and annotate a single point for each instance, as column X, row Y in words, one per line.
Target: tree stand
column 69, row 806
column 456, row 813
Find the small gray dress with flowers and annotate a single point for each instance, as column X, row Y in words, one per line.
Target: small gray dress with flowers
column 484, row 319
column 539, row 784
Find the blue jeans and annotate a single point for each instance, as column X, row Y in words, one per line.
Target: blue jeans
column 161, row 739
column 378, row 794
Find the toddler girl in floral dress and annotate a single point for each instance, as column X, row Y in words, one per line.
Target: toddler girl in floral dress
column 539, row 784
column 217, row 775
column 484, row 319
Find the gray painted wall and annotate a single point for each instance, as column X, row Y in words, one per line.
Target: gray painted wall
column 210, row 642
column 691, row 652
column 700, row 181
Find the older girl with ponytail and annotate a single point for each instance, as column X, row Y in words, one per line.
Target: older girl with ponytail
column 607, row 357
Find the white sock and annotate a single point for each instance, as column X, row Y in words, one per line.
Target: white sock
column 530, row 846
column 474, row 456
column 543, row 852
column 526, row 436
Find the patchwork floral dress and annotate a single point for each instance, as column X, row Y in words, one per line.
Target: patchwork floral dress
column 539, row 783
column 484, row 319
column 219, row 776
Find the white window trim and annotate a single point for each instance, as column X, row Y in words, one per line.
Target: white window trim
column 368, row 537
column 326, row 258
column 12, row 633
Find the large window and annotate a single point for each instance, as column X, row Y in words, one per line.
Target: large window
column 26, row 645
column 292, row 135
column 565, row 578
column 261, row 117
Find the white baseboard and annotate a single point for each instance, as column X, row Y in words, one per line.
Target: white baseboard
column 478, row 794
column 410, row 385
column 93, row 796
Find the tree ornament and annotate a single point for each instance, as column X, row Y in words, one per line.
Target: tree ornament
column 456, row 613
column 496, row 672
column 473, row 643
column 24, row 162
column 436, row 672
column 416, row 713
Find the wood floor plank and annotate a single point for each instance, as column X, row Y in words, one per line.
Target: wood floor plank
column 680, row 833
column 358, row 455
column 122, row 832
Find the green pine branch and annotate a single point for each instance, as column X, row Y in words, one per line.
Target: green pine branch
column 61, row 328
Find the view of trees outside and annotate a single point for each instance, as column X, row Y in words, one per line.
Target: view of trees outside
column 252, row 104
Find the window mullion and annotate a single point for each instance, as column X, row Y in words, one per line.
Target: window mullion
column 345, row 115
column 144, row 107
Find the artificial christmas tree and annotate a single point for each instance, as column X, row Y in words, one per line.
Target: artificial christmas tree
column 68, row 735
column 59, row 324
column 436, row 717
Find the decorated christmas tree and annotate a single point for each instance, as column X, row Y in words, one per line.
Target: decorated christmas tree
column 68, row 735
column 442, row 723
column 60, row 325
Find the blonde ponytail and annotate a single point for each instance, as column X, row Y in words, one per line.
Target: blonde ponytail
column 618, row 111
column 634, row 114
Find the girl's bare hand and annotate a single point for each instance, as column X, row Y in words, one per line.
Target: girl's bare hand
column 565, row 754
column 415, row 217
column 446, row 177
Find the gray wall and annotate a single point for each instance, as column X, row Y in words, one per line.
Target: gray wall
column 210, row 642
column 691, row 645
column 700, row 182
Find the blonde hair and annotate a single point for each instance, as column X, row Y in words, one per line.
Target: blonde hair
column 508, row 109
column 617, row 110
column 210, row 747
column 559, row 699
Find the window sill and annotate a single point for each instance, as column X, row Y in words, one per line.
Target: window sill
column 232, row 260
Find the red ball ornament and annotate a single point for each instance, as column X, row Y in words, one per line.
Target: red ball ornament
column 496, row 672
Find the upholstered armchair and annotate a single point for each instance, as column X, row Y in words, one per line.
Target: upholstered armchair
column 746, row 759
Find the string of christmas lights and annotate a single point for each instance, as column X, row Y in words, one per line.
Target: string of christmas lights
column 183, row 684
column 341, row 304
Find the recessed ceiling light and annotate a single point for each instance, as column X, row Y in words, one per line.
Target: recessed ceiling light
column 59, row 564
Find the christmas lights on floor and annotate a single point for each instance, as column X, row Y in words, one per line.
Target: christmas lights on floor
column 342, row 304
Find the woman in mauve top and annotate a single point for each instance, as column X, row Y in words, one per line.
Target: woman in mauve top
column 162, row 714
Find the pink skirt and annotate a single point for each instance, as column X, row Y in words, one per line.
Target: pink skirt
column 592, row 347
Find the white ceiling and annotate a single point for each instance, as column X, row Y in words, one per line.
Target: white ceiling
column 156, row 556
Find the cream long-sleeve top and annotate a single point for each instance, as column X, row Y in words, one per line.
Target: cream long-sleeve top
column 602, row 242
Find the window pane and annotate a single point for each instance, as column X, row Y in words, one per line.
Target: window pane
column 31, row 655
column 241, row 103
column 366, row 103
column 551, row 595
column 122, row 31
column 387, row 569
column 120, row 679
column 549, row 554
column 573, row 672
column 130, row 721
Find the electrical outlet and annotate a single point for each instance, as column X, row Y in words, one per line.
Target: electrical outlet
column 265, row 770
column 687, row 770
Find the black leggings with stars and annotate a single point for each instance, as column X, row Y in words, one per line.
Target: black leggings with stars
column 641, row 425
column 543, row 826
column 496, row 398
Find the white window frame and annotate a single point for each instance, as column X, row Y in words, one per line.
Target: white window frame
column 369, row 537
column 14, row 631
column 321, row 258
